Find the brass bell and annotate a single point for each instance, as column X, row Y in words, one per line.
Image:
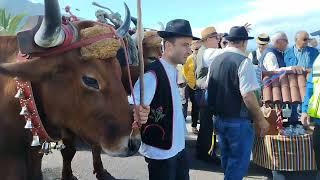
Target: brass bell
column 35, row 140
column 19, row 94
column 60, row 145
column 24, row 111
column 53, row 145
column 46, row 148
column 28, row 124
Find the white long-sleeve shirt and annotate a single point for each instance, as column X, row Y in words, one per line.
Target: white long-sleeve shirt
column 179, row 128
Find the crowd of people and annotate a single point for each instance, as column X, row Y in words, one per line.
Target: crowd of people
column 221, row 79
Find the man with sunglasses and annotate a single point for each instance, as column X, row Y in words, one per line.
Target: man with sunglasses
column 301, row 54
column 300, row 57
column 210, row 43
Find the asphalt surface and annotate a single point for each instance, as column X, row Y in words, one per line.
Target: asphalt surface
column 135, row 167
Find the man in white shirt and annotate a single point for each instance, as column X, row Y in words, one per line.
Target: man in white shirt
column 210, row 43
column 273, row 57
column 163, row 129
column 262, row 43
column 232, row 100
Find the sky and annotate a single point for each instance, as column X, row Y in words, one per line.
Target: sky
column 266, row 16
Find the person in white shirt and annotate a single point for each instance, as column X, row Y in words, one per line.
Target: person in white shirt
column 273, row 57
column 232, row 100
column 163, row 123
column 210, row 44
column 262, row 43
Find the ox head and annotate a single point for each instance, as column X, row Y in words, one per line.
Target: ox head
column 84, row 95
column 115, row 18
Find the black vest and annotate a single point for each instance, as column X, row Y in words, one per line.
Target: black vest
column 157, row 132
column 224, row 97
column 277, row 53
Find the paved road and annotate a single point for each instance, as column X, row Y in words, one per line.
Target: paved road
column 135, row 167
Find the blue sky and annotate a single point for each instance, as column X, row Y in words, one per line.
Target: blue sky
column 266, row 16
column 161, row 10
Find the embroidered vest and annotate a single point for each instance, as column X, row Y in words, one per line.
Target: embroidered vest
column 157, row 132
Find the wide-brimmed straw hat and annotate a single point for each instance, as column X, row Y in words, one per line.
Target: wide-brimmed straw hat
column 263, row 39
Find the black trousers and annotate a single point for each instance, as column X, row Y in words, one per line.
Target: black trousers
column 189, row 93
column 175, row 168
column 205, row 132
column 316, row 144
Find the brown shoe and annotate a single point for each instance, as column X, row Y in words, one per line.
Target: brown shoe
column 195, row 130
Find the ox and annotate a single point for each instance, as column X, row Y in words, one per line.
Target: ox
column 74, row 97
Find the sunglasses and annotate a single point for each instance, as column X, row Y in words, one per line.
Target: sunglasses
column 215, row 36
column 306, row 39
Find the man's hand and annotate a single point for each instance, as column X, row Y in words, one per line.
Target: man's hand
column 297, row 69
column 305, row 119
column 263, row 125
column 142, row 115
column 251, row 102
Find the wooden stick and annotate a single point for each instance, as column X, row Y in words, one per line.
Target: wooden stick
column 140, row 50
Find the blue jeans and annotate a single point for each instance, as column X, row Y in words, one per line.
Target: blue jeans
column 236, row 140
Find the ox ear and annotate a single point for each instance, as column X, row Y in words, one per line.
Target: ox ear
column 30, row 70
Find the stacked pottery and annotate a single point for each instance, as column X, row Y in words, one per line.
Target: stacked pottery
column 267, row 92
column 302, row 84
column 294, row 87
column 285, row 89
column 276, row 92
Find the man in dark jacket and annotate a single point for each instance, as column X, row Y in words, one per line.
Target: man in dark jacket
column 231, row 98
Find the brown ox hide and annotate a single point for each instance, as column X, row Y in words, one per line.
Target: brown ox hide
column 68, row 107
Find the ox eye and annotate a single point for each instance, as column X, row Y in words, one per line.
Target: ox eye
column 90, row 82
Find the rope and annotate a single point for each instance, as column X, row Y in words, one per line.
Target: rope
column 279, row 121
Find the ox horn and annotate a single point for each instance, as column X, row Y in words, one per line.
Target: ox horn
column 103, row 7
column 50, row 33
column 134, row 20
column 124, row 28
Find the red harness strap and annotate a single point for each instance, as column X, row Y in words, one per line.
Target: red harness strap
column 67, row 45
column 28, row 105
column 135, row 124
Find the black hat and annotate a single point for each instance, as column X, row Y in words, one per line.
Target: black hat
column 224, row 34
column 177, row 28
column 238, row 33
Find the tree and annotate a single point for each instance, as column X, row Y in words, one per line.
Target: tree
column 8, row 23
